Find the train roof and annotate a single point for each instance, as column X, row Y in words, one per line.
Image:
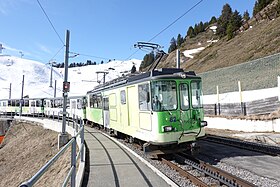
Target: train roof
column 155, row 74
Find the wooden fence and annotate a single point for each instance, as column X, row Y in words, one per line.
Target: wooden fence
column 257, row 107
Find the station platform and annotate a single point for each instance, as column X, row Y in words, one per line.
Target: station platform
column 111, row 164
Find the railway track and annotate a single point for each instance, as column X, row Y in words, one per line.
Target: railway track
column 221, row 177
column 267, row 149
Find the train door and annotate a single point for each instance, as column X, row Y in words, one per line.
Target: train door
column 106, row 112
column 123, row 108
column 144, row 103
column 133, row 111
column 185, row 109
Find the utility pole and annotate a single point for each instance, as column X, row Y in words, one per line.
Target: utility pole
column 10, row 91
column 51, row 74
column 52, row 62
column 21, row 100
column 54, row 94
column 63, row 136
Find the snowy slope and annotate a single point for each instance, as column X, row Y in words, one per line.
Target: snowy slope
column 37, row 77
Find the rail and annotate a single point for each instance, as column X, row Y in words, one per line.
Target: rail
column 74, row 157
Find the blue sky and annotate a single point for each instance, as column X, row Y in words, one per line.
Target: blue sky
column 99, row 28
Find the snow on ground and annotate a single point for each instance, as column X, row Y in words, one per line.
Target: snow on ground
column 188, row 53
column 245, row 96
column 37, row 77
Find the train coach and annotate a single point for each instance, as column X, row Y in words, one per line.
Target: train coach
column 161, row 109
column 30, row 106
column 49, row 107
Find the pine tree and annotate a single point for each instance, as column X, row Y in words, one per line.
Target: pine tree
column 259, row 5
column 213, row 20
column 246, row 16
column 173, row 45
column 230, row 31
column 236, row 20
column 190, row 32
column 224, row 20
column 196, row 29
column 200, row 27
column 180, row 40
column 147, row 60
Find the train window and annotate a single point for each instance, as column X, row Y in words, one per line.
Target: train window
column 73, row 104
column 32, row 103
column 164, row 95
column 38, row 103
column 144, row 97
column 4, row 104
column 123, row 97
column 26, row 103
column 184, row 96
column 79, row 103
column 196, row 94
column 91, row 101
column 85, row 102
column 99, row 101
column 106, row 103
column 58, row 103
column 17, row 103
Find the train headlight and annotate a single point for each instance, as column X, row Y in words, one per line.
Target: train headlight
column 203, row 123
column 167, row 128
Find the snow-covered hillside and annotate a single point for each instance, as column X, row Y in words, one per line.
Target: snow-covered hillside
column 37, row 77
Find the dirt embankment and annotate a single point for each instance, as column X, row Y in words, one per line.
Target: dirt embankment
column 25, row 149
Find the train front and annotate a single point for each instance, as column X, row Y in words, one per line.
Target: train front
column 177, row 112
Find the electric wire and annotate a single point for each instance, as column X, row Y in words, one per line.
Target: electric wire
column 57, row 52
column 168, row 26
column 176, row 20
column 152, row 37
column 81, row 54
column 50, row 21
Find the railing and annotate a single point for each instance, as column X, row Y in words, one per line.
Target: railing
column 74, row 157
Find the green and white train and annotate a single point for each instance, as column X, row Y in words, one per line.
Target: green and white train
column 161, row 108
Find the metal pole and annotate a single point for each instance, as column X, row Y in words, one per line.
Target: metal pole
column 178, row 58
column 10, row 91
column 54, row 95
column 73, row 162
column 21, row 100
column 51, row 74
column 65, row 80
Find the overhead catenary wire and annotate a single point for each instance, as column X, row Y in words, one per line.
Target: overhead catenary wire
column 57, row 52
column 176, row 20
column 50, row 22
column 195, row 5
column 168, row 26
column 87, row 55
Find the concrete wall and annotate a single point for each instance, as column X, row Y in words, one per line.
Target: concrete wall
column 243, row 125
